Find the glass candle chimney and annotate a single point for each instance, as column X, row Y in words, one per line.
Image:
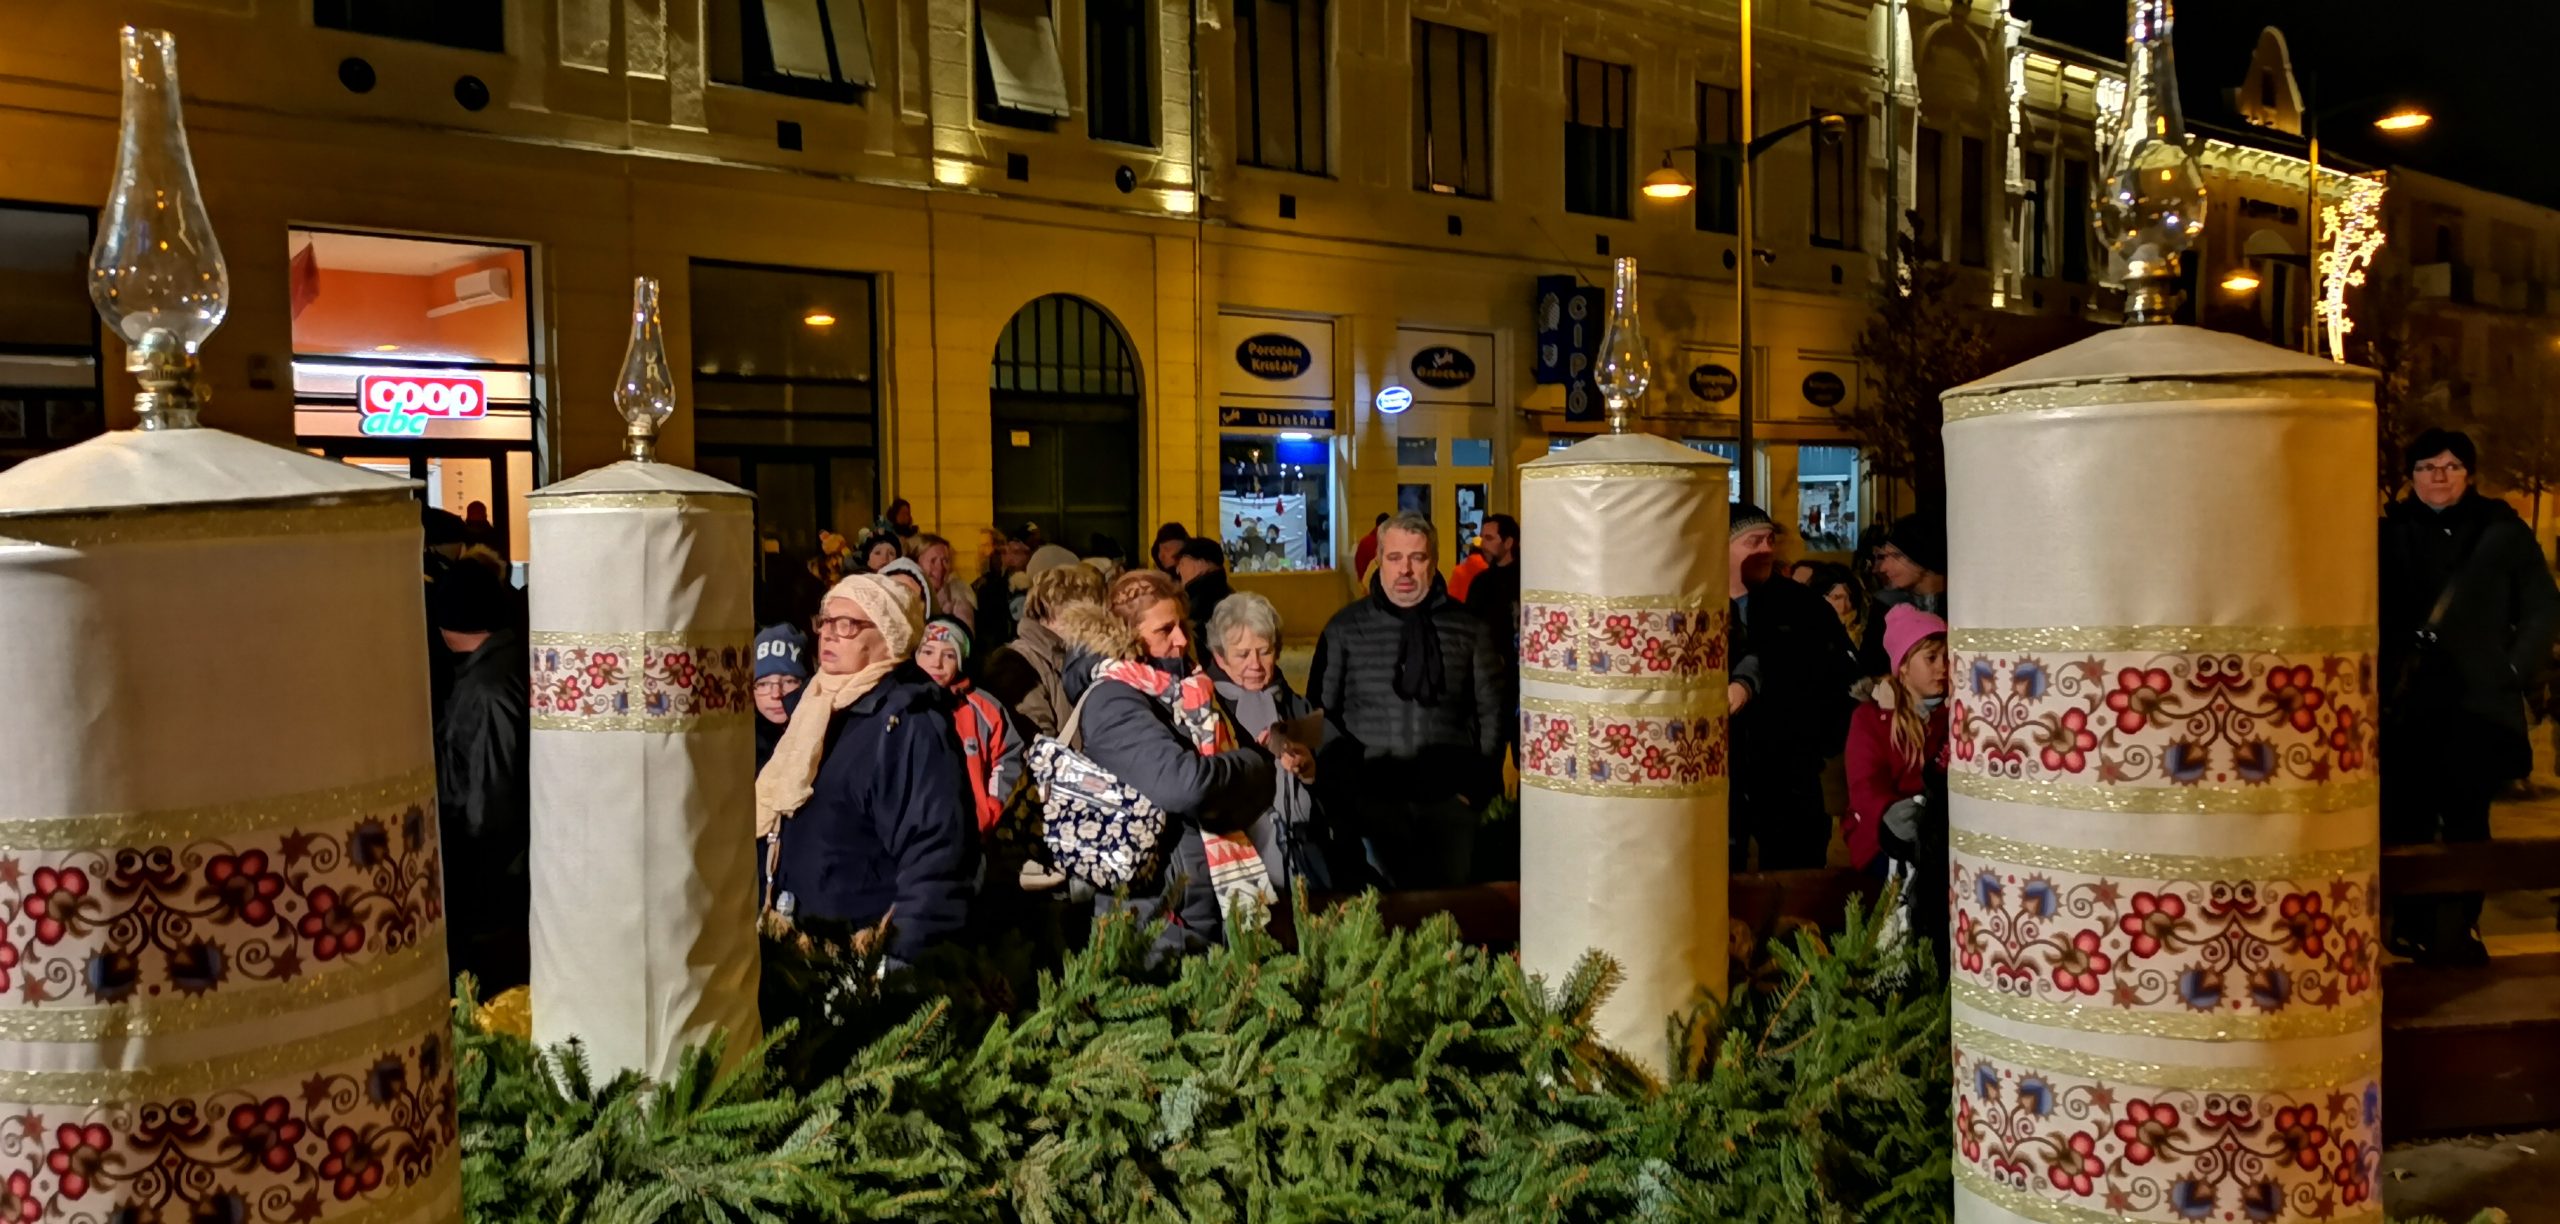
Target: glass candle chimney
column 2151, row 204
column 647, row 393
column 156, row 273
column 1625, row 369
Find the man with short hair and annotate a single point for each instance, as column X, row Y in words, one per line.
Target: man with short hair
column 1416, row 689
column 1791, row 665
column 1912, row 566
column 1495, row 594
column 1201, row 568
column 2468, row 611
column 483, row 779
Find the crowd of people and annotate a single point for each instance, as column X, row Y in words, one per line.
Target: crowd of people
column 908, row 721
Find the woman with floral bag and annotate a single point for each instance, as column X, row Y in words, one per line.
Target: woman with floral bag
column 1146, row 713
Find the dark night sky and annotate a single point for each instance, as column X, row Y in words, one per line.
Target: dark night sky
column 2484, row 67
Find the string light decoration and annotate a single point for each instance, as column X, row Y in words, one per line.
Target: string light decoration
column 2351, row 221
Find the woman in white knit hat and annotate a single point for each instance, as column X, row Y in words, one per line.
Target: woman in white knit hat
column 866, row 797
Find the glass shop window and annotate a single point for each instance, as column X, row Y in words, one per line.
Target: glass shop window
column 1275, row 502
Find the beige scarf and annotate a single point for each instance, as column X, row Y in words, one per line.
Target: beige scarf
column 788, row 778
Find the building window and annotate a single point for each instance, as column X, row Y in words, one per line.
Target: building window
column 1596, row 165
column 2075, row 221
column 1719, row 159
column 1275, row 501
column 1929, row 193
column 1115, row 72
column 1453, row 110
column 808, row 48
column 2039, row 241
column 1280, row 52
column 1827, row 497
column 785, row 401
column 473, row 25
column 1973, row 244
column 50, row 394
column 414, row 357
column 2280, row 308
column 1730, row 452
column 1835, row 184
column 1022, row 82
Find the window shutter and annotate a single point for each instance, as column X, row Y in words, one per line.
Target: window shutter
column 798, row 39
column 1021, row 41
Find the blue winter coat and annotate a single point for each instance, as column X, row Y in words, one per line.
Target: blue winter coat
column 889, row 821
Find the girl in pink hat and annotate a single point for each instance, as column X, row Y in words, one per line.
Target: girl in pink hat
column 1897, row 737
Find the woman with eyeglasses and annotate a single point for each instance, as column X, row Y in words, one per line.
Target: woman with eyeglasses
column 866, row 796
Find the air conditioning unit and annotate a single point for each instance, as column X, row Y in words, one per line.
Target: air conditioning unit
column 487, row 287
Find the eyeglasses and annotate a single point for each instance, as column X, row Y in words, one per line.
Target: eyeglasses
column 776, row 686
column 2446, row 470
column 843, row 626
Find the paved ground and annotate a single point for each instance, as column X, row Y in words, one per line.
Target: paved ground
column 2455, row 1178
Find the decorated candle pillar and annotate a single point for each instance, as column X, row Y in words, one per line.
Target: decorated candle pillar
column 1622, row 709
column 222, row 939
column 643, row 767
column 2163, row 825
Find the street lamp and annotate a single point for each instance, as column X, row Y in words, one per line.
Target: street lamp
column 1668, row 183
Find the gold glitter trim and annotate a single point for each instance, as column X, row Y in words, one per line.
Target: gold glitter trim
column 2182, row 1025
column 1655, row 790
column 1708, row 702
column 349, row 514
column 235, row 1071
column 2134, row 865
column 671, row 724
column 1701, row 603
column 711, row 503
column 2045, row 1211
column 1583, row 680
column 223, row 1006
column 1973, row 1042
column 2348, row 391
column 179, row 826
column 2202, row 639
column 442, row 1185
column 703, row 638
column 2257, row 800
column 1632, row 471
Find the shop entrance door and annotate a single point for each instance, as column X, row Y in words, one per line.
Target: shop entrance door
column 1447, row 479
column 1063, row 408
column 470, row 482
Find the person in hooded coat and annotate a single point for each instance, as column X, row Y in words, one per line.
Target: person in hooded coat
column 781, row 667
column 483, row 776
column 866, row 798
column 1030, row 674
column 1150, row 716
column 2468, row 612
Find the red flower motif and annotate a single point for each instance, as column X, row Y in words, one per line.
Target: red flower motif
column 55, row 904
column 1964, row 1126
column 2155, row 918
column 2298, row 1129
column 242, row 883
column 2068, row 743
column 1968, row 942
column 352, row 1164
column 2306, row 926
column 2355, row 964
column 77, row 1154
column 2296, row 695
column 1620, row 738
column 266, row 1133
column 2353, row 1186
column 1620, row 630
column 2079, row 965
column 2346, row 739
column 2079, row 1171
column 2146, row 1129
column 330, row 926
column 2138, row 697
column 8, row 961
column 20, row 1202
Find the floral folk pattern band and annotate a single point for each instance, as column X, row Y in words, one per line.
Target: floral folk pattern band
column 2074, row 1144
column 1663, row 642
column 638, row 681
column 2138, row 728
column 1630, row 751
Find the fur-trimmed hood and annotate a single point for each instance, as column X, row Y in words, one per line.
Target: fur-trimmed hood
column 1092, row 629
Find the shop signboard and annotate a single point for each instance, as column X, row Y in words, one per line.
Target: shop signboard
column 1444, row 366
column 1824, row 389
column 1272, row 356
column 1713, row 382
column 401, row 405
column 1569, row 326
column 1275, row 357
column 1312, row 420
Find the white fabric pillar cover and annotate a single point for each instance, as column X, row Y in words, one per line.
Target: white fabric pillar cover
column 2164, row 827
column 222, row 940
column 1622, row 725
column 643, row 765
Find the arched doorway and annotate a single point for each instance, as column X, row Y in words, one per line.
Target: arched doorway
column 1065, row 410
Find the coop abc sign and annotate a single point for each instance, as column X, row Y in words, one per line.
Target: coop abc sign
column 400, row 405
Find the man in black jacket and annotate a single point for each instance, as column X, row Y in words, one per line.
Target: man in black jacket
column 1417, row 689
column 2468, row 611
column 483, row 784
column 1791, row 666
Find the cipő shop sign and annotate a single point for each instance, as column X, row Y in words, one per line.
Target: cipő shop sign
column 400, row 405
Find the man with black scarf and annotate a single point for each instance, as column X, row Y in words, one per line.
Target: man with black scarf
column 1416, row 690
column 1791, row 664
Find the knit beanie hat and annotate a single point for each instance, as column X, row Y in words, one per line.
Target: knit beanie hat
column 1905, row 627
column 1050, row 556
column 781, row 651
column 1745, row 516
column 890, row 605
column 1923, row 538
column 948, row 629
column 909, row 567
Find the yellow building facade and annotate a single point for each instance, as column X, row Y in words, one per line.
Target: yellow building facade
column 1046, row 250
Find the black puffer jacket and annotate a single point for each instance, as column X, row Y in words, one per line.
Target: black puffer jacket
column 2466, row 688
column 1130, row 734
column 1396, row 749
column 1792, row 651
